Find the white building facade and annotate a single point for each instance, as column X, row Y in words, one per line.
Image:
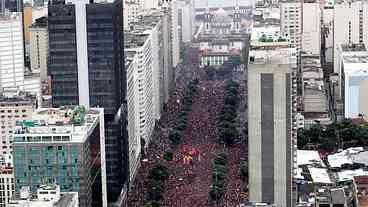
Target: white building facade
column 353, row 64
column 349, row 27
column 11, row 51
column 186, row 15
column 291, row 22
column 311, row 28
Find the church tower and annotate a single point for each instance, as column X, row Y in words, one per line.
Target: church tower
column 236, row 19
column 207, row 19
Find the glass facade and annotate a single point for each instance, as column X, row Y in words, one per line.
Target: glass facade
column 105, row 70
column 76, row 167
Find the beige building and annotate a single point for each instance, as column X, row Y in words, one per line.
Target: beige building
column 27, row 21
column 39, row 47
column 272, row 141
column 13, row 109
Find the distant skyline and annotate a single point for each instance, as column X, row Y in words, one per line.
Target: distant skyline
column 220, row 3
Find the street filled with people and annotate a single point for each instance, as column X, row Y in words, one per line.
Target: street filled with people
column 186, row 164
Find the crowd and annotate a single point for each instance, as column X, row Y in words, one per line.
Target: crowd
column 189, row 185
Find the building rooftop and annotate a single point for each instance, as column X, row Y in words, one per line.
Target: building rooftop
column 10, row 97
column 66, row 124
column 47, row 196
column 10, row 16
column 40, row 22
column 309, row 157
column 353, row 47
column 272, row 55
column 348, row 175
column 134, row 40
column 268, row 36
column 355, row 58
column 338, row 196
column 344, row 157
column 320, row 175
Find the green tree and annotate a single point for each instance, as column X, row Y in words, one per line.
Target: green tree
column 175, row 137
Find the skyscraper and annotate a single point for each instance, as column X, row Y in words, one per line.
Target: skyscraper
column 271, row 133
column 86, row 66
column 11, row 51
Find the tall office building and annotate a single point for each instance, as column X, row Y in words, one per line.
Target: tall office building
column 11, row 51
column 86, row 66
column 63, row 146
column 270, row 119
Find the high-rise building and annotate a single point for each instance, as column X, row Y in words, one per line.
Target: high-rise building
column 11, row 51
column 291, row 22
column 270, row 119
column 185, row 19
column 13, row 108
column 131, row 12
column 301, row 22
column 349, row 27
column 86, row 65
column 311, row 27
column 65, row 146
column 27, row 21
column 353, row 63
column 39, row 45
column 172, row 9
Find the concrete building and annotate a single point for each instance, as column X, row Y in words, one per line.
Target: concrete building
column 352, row 61
column 349, row 28
column 272, row 136
column 46, row 196
column 11, row 51
column 131, row 12
column 65, row 146
column 38, row 12
column 27, row 21
column 301, row 22
column 13, row 108
column 186, row 18
column 311, row 27
column 133, row 113
column 291, row 22
column 86, row 65
column 140, row 44
column 171, row 8
column 32, row 83
column 7, row 183
column 313, row 92
column 39, row 47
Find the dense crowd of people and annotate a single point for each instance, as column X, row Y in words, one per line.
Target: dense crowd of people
column 188, row 185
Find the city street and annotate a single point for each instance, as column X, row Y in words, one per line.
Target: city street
column 189, row 185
